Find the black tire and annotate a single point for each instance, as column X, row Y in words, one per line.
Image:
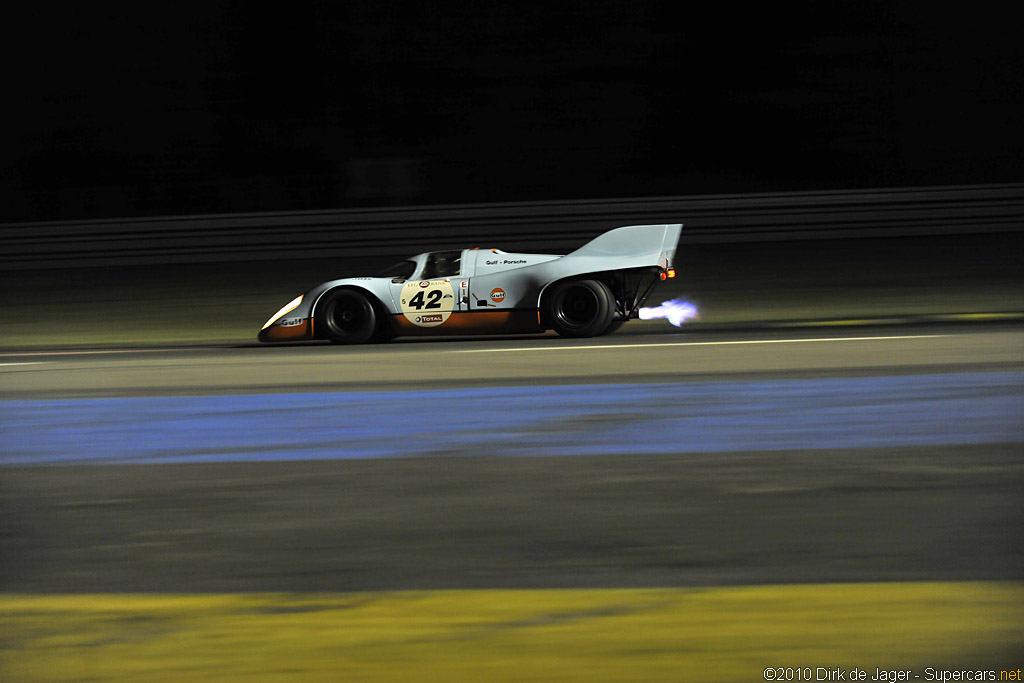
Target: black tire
column 346, row 316
column 615, row 324
column 384, row 333
column 579, row 308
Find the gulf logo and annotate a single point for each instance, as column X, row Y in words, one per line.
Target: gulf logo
column 497, row 295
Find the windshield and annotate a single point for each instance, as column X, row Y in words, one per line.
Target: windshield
column 401, row 270
column 442, row 264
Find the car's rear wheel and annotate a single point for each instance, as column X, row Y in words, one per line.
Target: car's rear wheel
column 615, row 324
column 346, row 317
column 579, row 308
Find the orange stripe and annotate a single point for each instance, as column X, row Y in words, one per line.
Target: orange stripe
column 475, row 322
column 276, row 333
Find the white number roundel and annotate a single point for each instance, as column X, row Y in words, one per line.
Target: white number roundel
column 427, row 303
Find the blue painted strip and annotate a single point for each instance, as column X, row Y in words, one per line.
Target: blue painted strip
column 912, row 410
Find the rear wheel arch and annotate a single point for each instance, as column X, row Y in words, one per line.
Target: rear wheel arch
column 582, row 306
column 629, row 287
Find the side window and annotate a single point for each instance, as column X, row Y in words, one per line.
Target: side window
column 403, row 270
column 441, row 264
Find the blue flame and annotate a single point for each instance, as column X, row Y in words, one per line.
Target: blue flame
column 676, row 311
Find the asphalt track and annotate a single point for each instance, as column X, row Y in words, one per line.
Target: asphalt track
column 927, row 484
column 654, row 505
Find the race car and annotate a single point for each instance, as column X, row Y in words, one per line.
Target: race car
column 589, row 292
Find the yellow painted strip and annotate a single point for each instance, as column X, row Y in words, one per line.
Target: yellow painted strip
column 718, row 634
column 984, row 316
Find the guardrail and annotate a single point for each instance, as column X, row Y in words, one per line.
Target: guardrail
column 531, row 226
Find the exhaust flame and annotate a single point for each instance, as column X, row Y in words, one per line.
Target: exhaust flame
column 676, row 311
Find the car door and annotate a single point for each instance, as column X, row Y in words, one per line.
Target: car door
column 430, row 298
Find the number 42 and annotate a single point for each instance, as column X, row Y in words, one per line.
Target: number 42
column 433, row 299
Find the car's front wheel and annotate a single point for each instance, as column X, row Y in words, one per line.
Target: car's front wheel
column 346, row 317
column 579, row 308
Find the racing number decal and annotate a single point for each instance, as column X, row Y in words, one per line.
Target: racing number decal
column 427, row 303
column 433, row 300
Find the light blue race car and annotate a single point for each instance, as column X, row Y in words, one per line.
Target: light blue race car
column 589, row 292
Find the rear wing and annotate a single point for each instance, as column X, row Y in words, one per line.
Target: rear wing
column 655, row 244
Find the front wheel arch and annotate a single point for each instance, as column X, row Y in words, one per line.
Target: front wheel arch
column 350, row 315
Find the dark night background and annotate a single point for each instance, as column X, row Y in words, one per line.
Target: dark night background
column 169, row 109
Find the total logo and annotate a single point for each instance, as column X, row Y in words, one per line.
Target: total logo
column 432, row 318
column 497, row 295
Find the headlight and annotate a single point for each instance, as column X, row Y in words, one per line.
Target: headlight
column 290, row 306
